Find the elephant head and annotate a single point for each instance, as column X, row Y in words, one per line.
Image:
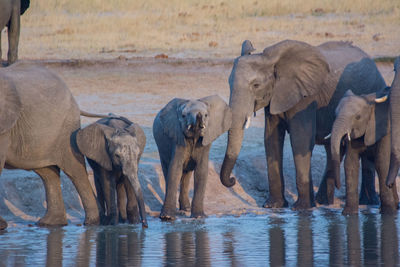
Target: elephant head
column 395, row 124
column 114, row 150
column 205, row 118
column 358, row 116
column 10, row 105
column 277, row 79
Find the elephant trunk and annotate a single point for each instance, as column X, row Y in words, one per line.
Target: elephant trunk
column 395, row 124
column 339, row 129
column 134, row 181
column 242, row 106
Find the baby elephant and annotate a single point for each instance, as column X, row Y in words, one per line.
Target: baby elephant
column 183, row 131
column 364, row 122
column 113, row 147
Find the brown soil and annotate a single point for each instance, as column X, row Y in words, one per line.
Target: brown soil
column 137, row 89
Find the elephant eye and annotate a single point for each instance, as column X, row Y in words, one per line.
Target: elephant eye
column 256, row 85
column 206, row 115
column 358, row 117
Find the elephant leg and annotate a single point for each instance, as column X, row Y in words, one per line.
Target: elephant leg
column 351, row 168
column 4, row 145
column 200, row 182
column 13, row 36
column 175, row 171
column 302, row 137
column 55, row 214
column 132, row 205
column 184, row 202
column 368, row 195
column 99, row 189
column 121, row 202
column 78, row 175
column 107, row 180
column 387, row 195
column 326, row 190
column 274, row 137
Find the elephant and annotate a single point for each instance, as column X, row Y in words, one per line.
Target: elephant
column 395, row 122
column 38, row 120
column 10, row 12
column 113, row 147
column 183, row 131
column 299, row 87
column 364, row 122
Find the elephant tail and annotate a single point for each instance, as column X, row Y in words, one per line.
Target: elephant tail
column 108, row 116
column 24, row 6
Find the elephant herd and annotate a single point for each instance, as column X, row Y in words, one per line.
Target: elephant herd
column 331, row 95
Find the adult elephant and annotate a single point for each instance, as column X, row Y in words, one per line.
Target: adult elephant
column 395, row 122
column 10, row 11
column 38, row 120
column 299, row 87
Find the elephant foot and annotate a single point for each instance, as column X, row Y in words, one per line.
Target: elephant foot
column 388, row 209
column 95, row 220
column 324, row 199
column 48, row 220
column 302, row 204
column 144, row 224
column 350, row 211
column 372, row 200
column 109, row 220
column 133, row 216
column 167, row 215
column 185, row 207
column 3, row 224
column 271, row 203
column 198, row 215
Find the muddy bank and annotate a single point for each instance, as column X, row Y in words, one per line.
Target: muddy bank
column 137, row 89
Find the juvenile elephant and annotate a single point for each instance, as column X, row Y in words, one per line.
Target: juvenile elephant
column 364, row 122
column 395, row 123
column 183, row 131
column 299, row 87
column 113, row 148
column 10, row 11
column 38, row 118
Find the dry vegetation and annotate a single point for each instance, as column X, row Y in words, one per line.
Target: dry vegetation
column 186, row 28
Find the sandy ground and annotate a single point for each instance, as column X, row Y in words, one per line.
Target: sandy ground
column 138, row 88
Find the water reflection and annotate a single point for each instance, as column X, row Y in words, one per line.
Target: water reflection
column 317, row 238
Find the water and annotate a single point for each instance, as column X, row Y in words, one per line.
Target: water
column 283, row 238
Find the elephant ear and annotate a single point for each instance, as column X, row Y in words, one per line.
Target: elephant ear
column 300, row 71
column 220, row 118
column 91, row 141
column 10, row 105
column 135, row 130
column 169, row 117
column 377, row 126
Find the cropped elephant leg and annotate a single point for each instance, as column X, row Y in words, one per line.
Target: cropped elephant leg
column 55, row 214
column 326, row 190
column 175, row 170
column 13, row 36
column 351, row 168
column 184, row 202
column 302, row 137
column 274, row 137
column 109, row 190
column 4, row 143
column 121, row 202
column 368, row 195
column 200, row 182
column 78, row 175
column 132, row 206
column 388, row 196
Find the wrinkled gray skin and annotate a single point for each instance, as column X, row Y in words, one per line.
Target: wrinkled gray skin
column 10, row 11
column 299, row 87
column 183, row 131
column 113, row 148
column 364, row 120
column 395, row 122
column 38, row 116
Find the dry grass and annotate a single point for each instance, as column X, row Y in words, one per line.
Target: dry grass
column 110, row 28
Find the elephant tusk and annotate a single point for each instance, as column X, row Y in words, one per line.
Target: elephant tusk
column 328, row 136
column 247, row 123
column 348, row 137
column 381, row 99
